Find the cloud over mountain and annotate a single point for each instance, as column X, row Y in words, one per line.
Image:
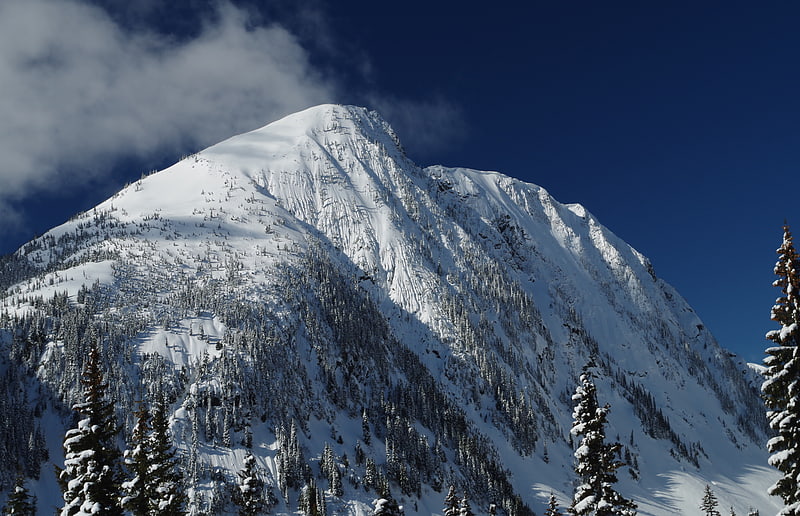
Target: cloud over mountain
column 78, row 88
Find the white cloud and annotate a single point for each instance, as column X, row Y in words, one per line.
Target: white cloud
column 78, row 91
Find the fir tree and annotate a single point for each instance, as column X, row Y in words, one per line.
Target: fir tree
column 247, row 439
column 335, row 482
column 451, row 503
column 20, row 501
column 387, row 506
column 250, row 498
column 293, row 467
column 359, row 453
column 90, row 480
column 331, row 471
column 464, row 509
column 138, row 490
column 156, row 486
column 552, row 507
column 365, row 433
column 168, row 481
column 311, row 503
column 595, row 462
column 780, row 389
column 709, row 503
column 370, row 474
column 322, row 506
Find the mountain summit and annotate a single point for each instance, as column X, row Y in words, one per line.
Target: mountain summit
column 306, row 293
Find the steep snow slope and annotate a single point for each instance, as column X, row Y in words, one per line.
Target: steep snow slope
column 365, row 279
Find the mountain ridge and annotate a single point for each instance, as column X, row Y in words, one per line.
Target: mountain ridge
column 478, row 286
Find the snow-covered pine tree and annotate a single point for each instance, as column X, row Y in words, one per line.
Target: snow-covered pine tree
column 20, row 502
column 335, row 482
column 250, row 497
column 709, row 503
column 387, row 506
column 138, row 490
column 366, row 434
column 247, row 439
column 91, row 477
column 293, row 469
column 359, row 453
column 308, row 499
column 168, row 481
column 780, row 389
column 595, row 460
column 552, row 507
column 464, row 509
column 321, row 503
column 156, row 485
column 330, row 470
column 192, row 460
column 370, row 474
column 451, row 503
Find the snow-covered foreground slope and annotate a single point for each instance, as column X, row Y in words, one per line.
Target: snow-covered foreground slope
column 308, row 273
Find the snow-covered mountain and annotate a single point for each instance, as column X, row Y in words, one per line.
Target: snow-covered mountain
column 307, row 279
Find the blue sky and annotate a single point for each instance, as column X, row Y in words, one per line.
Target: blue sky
column 676, row 123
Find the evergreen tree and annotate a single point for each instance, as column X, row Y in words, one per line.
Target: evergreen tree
column 251, row 489
column 330, row 470
column 91, row 477
column 387, row 506
column 780, row 389
column 156, row 486
column 552, row 507
column 138, row 490
column 464, row 509
column 168, row 481
column 359, row 453
column 322, row 506
column 451, row 503
column 247, row 439
column 293, row 468
column 370, row 474
column 365, row 433
column 309, row 500
column 335, row 482
column 20, row 501
column 595, row 462
column 709, row 503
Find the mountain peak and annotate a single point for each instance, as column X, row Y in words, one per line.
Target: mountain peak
column 308, row 271
column 320, row 124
